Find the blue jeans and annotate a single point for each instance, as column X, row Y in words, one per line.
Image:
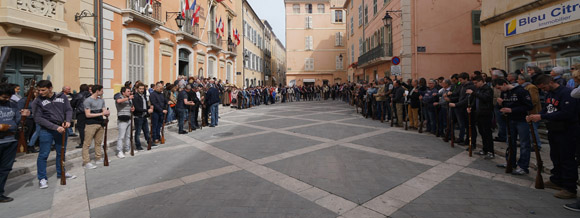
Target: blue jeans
column 431, row 126
column 181, row 114
column 297, row 96
column 34, row 136
column 214, row 109
column 157, row 122
column 141, row 124
column 170, row 114
column 502, row 130
column 46, row 138
column 381, row 110
column 521, row 130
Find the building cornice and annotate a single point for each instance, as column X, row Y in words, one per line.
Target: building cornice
column 515, row 11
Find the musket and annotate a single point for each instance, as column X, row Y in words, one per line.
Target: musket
column 393, row 112
column 510, row 150
column 163, row 128
column 131, row 133
column 421, row 116
column 62, row 154
column 436, row 122
column 106, row 161
column 150, row 141
column 539, row 184
column 22, row 147
column 406, row 113
column 451, row 128
column 469, row 124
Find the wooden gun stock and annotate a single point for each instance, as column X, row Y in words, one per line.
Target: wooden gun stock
column 539, row 184
column 22, row 146
column 62, row 154
column 421, row 117
column 106, row 161
column 436, row 122
column 131, row 137
column 509, row 166
column 163, row 129
column 150, row 141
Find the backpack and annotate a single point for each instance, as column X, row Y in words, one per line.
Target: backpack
column 78, row 102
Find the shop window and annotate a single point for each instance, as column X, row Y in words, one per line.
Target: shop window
column 562, row 52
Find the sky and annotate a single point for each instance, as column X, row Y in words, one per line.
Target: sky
column 273, row 11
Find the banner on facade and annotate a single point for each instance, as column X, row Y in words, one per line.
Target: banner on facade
column 547, row 17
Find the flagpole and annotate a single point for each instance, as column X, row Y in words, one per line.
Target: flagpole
column 206, row 19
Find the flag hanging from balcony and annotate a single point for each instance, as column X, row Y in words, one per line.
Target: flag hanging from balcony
column 222, row 25
column 196, row 16
column 219, row 1
column 237, row 36
column 186, row 5
column 182, row 8
column 218, row 27
column 193, row 5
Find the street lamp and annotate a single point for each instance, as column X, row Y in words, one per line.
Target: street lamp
column 340, row 57
column 179, row 20
column 387, row 19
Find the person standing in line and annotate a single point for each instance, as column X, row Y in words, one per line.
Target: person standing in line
column 576, row 94
column 483, row 114
column 79, row 109
column 94, row 111
column 212, row 102
column 9, row 118
column 515, row 102
column 124, row 104
column 53, row 113
column 140, row 114
column 159, row 104
column 561, row 116
column 182, row 104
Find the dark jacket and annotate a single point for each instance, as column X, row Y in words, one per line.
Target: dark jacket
column 77, row 102
column 398, row 94
column 519, row 100
column 484, row 97
column 462, row 102
column 9, row 114
column 138, row 104
column 51, row 112
column 212, row 96
column 429, row 99
column 158, row 101
column 560, row 106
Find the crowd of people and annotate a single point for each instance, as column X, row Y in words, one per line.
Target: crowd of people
column 471, row 104
column 515, row 104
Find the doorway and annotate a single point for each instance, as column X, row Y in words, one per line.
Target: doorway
column 184, row 62
column 23, row 67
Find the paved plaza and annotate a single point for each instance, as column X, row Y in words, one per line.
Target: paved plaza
column 301, row 159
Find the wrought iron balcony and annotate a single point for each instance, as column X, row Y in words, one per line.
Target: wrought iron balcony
column 188, row 32
column 215, row 41
column 142, row 11
column 381, row 51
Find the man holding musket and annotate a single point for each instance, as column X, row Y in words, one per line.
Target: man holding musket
column 159, row 110
column 53, row 113
column 140, row 114
column 561, row 116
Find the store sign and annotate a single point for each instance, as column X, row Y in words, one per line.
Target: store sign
column 557, row 14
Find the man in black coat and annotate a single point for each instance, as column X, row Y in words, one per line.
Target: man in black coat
column 142, row 111
column 483, row 113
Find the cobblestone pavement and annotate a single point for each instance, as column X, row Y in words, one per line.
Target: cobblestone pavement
column 301, row 159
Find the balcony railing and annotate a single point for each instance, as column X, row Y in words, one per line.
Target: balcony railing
column 232, row 48
column 383, row 50
column 214, row 40
column 191, row 30
column 141, row 7
column 139, row 10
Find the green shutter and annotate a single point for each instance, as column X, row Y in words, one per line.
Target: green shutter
column 475, row 16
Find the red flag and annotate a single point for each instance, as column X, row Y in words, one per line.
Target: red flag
column 196, row 16
column 222, row 26
column 219, row 1
column 186, row 5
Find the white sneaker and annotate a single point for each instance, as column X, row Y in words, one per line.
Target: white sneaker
column 69, row 176
column 90, row 166
column 43, row 184
column 99, row 162
column 120, row 155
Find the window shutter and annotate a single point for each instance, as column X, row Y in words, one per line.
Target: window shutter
column 336, row 39
column 306, row 22
column 475, row 18
column 333, row 16
column 310, row 22
column 340, row 38
column 312, row 64
column 306, row 41
column 311, row 43
column 360, row 15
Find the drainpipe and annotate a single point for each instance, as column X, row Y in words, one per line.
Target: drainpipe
column 363, row 35
column 96, row 43
column 100, row 42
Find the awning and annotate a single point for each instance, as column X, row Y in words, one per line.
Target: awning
column 309, row 80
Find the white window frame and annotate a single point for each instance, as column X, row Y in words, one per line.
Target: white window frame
column 308, row 22
column 338, row 39
column 296, row 8
column 319, row 8
column 136, row 61
column 339, row 65
column 360, row 15
column 309, row 64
